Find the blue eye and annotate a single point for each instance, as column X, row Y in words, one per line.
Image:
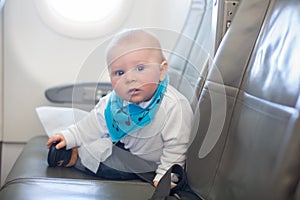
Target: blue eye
column 119, row 73
column 140, row 68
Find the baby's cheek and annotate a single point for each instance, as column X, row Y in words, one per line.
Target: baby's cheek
column 117, row 84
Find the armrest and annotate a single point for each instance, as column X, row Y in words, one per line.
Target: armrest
column 79, row 93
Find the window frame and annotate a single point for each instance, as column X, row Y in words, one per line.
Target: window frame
column 77, row 29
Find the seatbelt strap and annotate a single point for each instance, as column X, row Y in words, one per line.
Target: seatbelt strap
column 181, row 191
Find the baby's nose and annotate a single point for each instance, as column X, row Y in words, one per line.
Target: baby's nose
column 130, row 76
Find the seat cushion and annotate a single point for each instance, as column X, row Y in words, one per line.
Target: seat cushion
column 31, row 179
column 39, row 188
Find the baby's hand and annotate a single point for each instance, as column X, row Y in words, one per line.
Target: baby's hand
column 60, row 139
column 155, row 183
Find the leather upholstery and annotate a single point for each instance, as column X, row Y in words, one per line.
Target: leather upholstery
column 256, row 73
column 220, row 92
column 32, row 179
column 247, row 141
column 35, row 189
column 189, row 59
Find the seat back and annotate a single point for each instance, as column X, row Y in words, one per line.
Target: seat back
column 247, row 144
column 189, row 59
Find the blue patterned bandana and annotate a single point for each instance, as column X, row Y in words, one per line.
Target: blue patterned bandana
column 123, row 120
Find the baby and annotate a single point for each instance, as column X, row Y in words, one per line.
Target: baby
column 143, row 125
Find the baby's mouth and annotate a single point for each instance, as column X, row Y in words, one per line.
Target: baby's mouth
column 134, row 91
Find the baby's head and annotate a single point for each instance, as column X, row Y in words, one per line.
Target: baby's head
column 136, row 64
column 132, row 40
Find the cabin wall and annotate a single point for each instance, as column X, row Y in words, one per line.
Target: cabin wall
column 35, row 57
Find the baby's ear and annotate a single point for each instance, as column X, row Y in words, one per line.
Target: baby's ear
column 163, row 70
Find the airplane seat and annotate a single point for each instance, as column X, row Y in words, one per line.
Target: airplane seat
column 190, row 57
column 297, row 196
column 31, row 178
column 247, row 144
column 247, row 141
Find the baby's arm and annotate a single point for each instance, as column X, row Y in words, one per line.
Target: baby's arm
column 176, row 135
column 88, row 129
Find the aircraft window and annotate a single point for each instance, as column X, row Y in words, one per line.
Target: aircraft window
column 83, row 19
column 1, row 4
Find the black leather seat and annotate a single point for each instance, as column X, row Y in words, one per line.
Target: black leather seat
column 250, row 149
column 247, row 142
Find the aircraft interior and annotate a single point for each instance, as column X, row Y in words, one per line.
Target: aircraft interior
column 235, row 61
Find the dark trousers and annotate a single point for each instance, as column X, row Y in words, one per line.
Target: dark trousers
column 123, row 165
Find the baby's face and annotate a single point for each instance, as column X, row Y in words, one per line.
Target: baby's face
column 136, row 75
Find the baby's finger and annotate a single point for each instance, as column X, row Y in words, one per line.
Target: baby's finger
column 60, row 145
column 55, row 138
